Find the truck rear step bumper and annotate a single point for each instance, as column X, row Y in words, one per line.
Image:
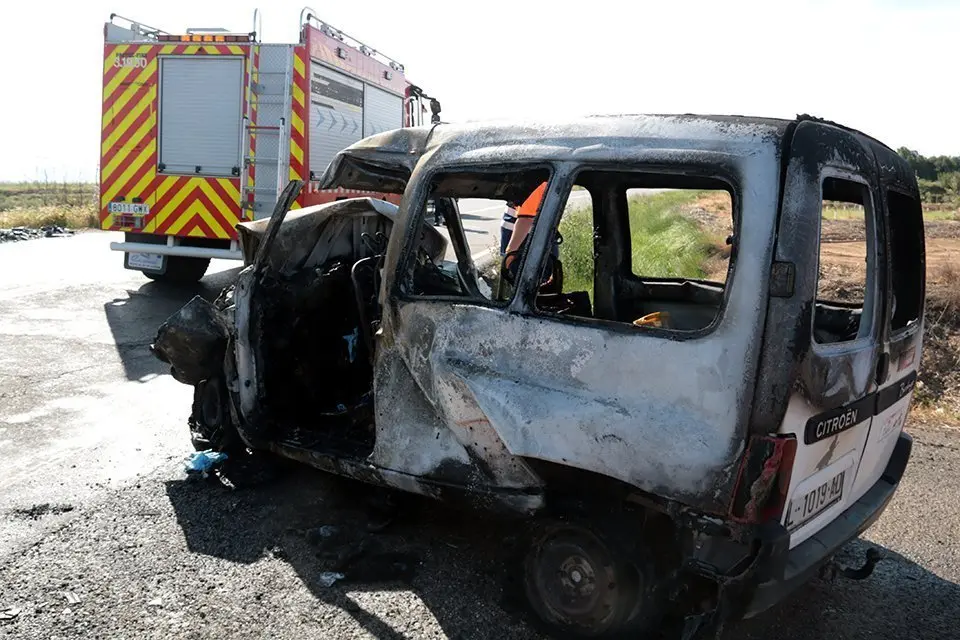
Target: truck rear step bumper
column 177, row 250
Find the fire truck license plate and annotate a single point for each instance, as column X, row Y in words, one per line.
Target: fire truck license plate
column 149, row 261
column 811, row 503
column 128, row 207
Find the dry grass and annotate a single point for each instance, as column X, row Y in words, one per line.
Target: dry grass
column 72, row 217
column 40, row 204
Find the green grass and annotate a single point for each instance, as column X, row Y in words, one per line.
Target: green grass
column 664, row 243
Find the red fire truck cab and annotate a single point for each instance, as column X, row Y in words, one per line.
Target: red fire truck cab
column 203, row 130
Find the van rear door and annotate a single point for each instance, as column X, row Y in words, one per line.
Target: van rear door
column 831, row 172
column 902, row 331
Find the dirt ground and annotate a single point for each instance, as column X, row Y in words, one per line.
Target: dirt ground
column 842, row 277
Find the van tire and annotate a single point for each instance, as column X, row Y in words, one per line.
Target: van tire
column 211, row 424
column 181, row 270
column 617, row 598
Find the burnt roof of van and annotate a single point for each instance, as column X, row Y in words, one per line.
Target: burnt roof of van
column 596, row 136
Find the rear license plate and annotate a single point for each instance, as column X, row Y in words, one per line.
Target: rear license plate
column 810, row 504
column 129, row 207
column 148, row 261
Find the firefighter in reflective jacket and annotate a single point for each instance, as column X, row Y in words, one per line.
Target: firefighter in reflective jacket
column 525, row 216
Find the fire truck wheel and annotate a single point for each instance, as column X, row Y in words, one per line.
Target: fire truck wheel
column 181, row 270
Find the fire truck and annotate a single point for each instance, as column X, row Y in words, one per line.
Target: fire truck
column 202, row 130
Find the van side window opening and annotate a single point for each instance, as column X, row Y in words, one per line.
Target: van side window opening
column 468, row 207
column 846, row 282
column 655, row 253
column 906, row 263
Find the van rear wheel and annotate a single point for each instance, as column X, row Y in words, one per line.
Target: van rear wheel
column 579, row 587
column 181, row 270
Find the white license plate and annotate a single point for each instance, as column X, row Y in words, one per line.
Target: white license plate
column 128, row 207
column 149, row 261
column 816, row 500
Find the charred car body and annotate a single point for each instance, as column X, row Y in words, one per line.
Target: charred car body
column 698, row 469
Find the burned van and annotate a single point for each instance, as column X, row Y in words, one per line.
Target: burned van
column 682, row 446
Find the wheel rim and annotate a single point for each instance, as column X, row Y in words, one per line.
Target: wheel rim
column 572, row 582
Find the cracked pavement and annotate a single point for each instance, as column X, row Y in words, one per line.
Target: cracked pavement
column 94, row 503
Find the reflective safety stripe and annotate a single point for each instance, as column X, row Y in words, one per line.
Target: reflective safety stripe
column 509, row 218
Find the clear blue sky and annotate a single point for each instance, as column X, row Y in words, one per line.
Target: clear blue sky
column 883, row 66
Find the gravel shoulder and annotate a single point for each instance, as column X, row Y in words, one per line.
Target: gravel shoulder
column 167, row 556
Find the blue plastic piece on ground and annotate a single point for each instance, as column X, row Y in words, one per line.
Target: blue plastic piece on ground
column 203, row 461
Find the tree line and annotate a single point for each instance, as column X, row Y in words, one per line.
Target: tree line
column 938, row 176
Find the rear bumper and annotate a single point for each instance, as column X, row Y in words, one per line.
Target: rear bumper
column 177, row 250
column 787, row 569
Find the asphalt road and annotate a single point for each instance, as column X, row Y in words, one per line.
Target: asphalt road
column 102, row 535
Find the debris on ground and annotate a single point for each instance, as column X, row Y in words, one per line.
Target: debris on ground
column 328, row 578
column 249, row 468
column 379, row 568
column 27, row 233
column 37, row 511
column 360, row 560
column 318, row 535
column 10, row 613
column 202, row 462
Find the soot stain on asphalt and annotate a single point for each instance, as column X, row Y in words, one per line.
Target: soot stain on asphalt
column 38, row 511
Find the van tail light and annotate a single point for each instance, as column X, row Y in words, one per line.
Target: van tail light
column 763, row 479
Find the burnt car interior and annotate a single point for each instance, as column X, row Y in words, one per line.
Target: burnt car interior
column 634, row 278
column 316, row 311
column 602, row 264
column 459, row 277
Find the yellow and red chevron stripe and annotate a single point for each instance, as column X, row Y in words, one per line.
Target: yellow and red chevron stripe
column 252, row 100
column 299, row 151
column 179, row 205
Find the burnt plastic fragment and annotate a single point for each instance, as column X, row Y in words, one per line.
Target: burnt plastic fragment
column 193, row 342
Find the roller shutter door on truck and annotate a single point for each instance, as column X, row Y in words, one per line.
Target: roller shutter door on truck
column 336, row 115
column 200, row 115
column 382, row 111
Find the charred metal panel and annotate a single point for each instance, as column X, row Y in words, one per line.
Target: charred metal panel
column 193, row 342
column 411, row 437
column 246, row 366
column 548, row 393
column 601, row 399
column 386, row 161
column 802, row 381
column 786, row 365
column 311, row 236
column 381, row 162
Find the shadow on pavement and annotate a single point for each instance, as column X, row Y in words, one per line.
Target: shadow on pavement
column 457, row 564
column 134, row 318
column 900, row 600
column 451, row 562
